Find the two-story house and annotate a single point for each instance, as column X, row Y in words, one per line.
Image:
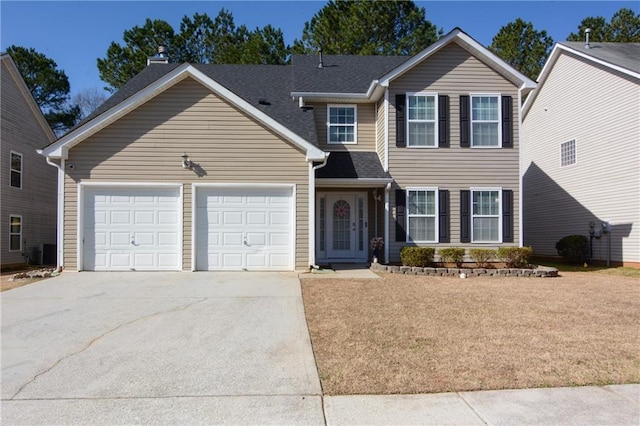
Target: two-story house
column 28, row 184
column 581, row 167
column 256, row 167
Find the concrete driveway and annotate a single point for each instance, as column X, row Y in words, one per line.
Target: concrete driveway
column 123, row 348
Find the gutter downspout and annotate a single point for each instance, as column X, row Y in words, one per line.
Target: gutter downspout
column 60, row 210
column 312, row 209
column 387, row 189
column 520, row 170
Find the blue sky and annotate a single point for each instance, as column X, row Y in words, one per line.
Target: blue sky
column 76, row 33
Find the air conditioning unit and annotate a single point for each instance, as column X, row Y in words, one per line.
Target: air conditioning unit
column 48, row 254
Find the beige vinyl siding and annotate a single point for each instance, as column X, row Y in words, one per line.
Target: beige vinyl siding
column 366, row 137
column 37, row 200
column 600, row 109
column 453, row 71
column 381, row 131
column 227, row 146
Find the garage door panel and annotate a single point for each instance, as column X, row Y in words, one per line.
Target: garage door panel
column 131, row 228
column 244, row 228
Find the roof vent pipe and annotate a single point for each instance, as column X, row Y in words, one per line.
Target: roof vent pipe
column 587, row 31
column 163, row 52
column 321, row 64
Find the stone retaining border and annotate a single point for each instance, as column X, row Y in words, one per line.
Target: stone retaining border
column 539, row 272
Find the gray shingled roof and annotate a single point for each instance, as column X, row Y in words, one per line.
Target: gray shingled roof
column 340, row 73
column 352, row 165
column 273, row 83
column 625, row 55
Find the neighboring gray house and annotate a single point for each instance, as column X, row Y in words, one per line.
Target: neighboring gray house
column 581, row 163
column 256, row 167
column 28, row 187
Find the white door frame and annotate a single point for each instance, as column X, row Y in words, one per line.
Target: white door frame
column 360, row 256
column 83, row 186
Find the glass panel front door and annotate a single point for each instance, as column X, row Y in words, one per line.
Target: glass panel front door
column 342, row 228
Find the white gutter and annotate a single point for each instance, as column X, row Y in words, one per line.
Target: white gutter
column 312, row 209
column 386, row 130
column 60, row 210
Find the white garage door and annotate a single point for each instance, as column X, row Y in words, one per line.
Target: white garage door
column 131, row 229
column 244, row 229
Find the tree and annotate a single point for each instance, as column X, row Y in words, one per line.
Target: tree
column 124, row 62
column 361, row 27
column 88, row 100
column 48, row 85
column 522, row 47
column 200, row 40
column 624, row 27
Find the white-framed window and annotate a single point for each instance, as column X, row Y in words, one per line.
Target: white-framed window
column 15, row 169
column 485, row 121
column 15, row 233
column 486, row 216
column 342, row 124
column 422, row 125
column 422, row 212
column 568, row 153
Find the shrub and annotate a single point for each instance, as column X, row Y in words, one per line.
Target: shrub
column 482, row 256
column 417, row 256
column 452, row 254
column 515, row 257
column 574, row 248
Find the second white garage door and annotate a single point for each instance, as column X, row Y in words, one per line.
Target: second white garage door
column 244, row 229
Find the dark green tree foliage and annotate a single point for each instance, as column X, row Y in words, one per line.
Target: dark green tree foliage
column 124, row 62
column 624, row 27
column 200, row 40
column 361, row 27
column 48, row 85
column 522, row 47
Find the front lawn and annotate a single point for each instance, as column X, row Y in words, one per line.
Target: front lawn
column 421, row 334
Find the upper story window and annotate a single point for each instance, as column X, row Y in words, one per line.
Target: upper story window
column 421, row 120
column 568, row 153
column 485, row 121
column 486, row 220
column 342, row 124
column 15, row 233
column 16, row 169
column 421, row 214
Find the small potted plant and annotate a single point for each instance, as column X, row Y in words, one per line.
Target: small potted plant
column 377, row 243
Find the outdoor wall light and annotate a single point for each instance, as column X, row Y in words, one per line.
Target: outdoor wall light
column 186, row 163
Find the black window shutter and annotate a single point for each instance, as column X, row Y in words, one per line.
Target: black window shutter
column 400, row 120
column 507, row 216
column 465, row 122
column 443, row 216
column 443, row 121
column 465, row 216
column 401, row 203
column 507, row 122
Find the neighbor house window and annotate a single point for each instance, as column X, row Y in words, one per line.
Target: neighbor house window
column 486, row 215
column 421, row 120
column 485, row 121
column 568, row 153
column 421, row 214
column 341, row 124
column 15, row 233
column 16, row 170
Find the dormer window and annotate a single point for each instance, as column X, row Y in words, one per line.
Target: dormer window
column 342, row 124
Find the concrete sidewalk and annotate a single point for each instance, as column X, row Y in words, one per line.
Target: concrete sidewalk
column 590, row 405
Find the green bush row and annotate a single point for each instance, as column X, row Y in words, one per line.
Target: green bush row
column 513, row 257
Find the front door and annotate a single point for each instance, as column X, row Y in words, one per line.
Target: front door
column 342, row 227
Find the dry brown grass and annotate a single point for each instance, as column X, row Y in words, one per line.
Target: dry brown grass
column 415, row 334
